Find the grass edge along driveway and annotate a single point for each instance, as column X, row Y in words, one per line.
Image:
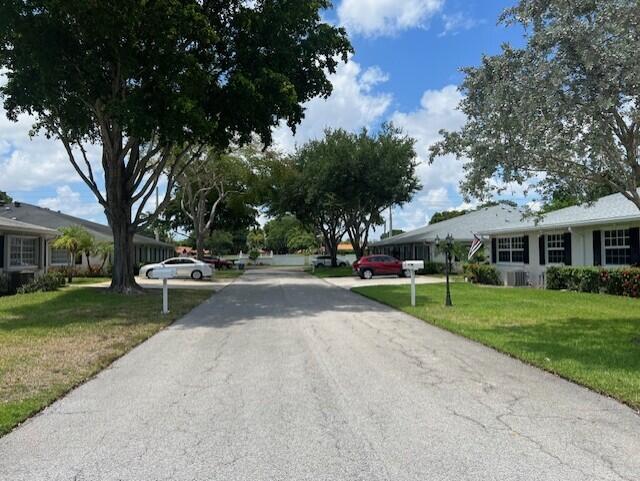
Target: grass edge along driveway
column 591, row 339
column 52, row 342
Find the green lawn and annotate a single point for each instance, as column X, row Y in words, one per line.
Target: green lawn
column 323, row 272
column 225, row 274
column 51, row 342
column 81, row 281
column 591, row 339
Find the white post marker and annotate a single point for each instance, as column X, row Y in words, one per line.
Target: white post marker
column 413, row 267
column 164, row 273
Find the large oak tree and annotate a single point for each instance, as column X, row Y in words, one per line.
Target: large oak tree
column 145, row 80
column 561, row 113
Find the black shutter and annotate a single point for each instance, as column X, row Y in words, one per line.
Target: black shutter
column 566, row 240
column 634, row 238
column 494, row 250
column 597, row 248
column 541, row 249
column 1, row 251
column 526, row 249
column 41, row 254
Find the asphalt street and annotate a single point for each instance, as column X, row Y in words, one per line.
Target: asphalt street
column 282, row 376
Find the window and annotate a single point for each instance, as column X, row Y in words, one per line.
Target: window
column 59, row 257
column 555, row 249
column 617, row 247
column 23, row 252
column 511, row 249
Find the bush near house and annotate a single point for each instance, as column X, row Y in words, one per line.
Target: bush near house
column 482, row 274
column 433, row 268
column 48, row 282
column 618, row 282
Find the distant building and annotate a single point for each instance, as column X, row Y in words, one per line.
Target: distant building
column 420, row 244
column 604, row 234
column 147, row 249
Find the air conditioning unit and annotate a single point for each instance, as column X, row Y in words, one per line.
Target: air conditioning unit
column 517, row 279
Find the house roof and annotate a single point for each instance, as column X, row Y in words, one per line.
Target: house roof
column 41, row 216
column 611, row 209
column 462, row 228
column 11, row 225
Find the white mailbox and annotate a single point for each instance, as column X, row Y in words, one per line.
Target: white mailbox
column 164, row 273
column 412, row 265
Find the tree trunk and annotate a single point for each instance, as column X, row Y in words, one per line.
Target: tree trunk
column 200, row 235
column 119, row 216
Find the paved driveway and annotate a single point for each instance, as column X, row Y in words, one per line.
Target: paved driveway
column 284, row 377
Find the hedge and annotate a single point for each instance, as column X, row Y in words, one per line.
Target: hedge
column 618, row 282
column 482, row 274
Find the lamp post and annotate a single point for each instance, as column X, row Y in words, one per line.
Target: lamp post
column 447, row 246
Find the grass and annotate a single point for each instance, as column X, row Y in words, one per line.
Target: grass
column 82, row 281
column 225, row 274
column 323, row 272
column 591, row 339
column 51, row 342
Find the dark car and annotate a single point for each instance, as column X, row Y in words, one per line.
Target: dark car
column 378, row 265
column 217, row 262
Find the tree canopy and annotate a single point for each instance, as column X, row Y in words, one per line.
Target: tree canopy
column 146, row 80
column 561, row 112
column 342, row 183
column 5, row 198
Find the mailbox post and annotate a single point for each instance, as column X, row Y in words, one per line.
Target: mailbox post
column 413, row 267
column 164, row 273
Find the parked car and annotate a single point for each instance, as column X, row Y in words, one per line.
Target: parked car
column 185, row 266
column 218, row 262
column 379, row 265
column 325, row 261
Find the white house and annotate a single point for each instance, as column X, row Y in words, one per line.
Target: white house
column 23, row 247
column 146, row 248
column 605, row 233
column 421, row 243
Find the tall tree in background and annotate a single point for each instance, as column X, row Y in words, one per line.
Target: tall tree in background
column 145, row 80
column 378, row 171
column 205, row 185
column 562, row 112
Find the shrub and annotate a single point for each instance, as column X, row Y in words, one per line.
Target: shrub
column 4, row 285
column 433, row 268
column 619, row 282
column 254, row 254
column 482, row 274
column 51, row 281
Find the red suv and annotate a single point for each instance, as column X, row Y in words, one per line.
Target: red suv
column 378, row 265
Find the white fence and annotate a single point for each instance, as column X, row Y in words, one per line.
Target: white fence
column 290, row 260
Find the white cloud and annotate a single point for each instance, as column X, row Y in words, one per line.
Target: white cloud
column 352, row 105
column 438, row 110
column 70, row 202
column 456, row 22
column 386, row 17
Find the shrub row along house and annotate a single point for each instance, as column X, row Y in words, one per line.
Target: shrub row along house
column 27, row 233
column 421, row 243
column 603, row 234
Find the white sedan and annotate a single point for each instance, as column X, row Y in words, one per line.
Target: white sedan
column 185, row 266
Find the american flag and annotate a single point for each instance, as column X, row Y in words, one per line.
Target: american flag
column 475, row 246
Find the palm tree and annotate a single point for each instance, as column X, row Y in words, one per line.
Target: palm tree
column 104, row 250
column 74, row 239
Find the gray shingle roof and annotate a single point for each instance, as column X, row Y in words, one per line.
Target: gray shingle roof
column 11, row 225
column 462, row 228
column 40, row 216
column 606, row 210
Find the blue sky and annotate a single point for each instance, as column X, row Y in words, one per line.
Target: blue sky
column 406, row 68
